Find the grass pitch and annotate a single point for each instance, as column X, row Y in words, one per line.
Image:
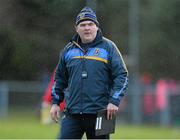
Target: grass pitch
column 27, row 126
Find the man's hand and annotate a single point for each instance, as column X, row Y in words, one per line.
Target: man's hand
column 111, row 111
column 55, row 112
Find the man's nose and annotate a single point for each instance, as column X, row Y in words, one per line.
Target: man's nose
column 87, row 27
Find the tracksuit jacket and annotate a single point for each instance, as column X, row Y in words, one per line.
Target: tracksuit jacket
column 89, row 76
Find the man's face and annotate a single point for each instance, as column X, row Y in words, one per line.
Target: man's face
column 87, row 31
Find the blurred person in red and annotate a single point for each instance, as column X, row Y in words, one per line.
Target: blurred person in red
column 46, row 102
column 161, row 94
column 164, row 87
column 148, row 97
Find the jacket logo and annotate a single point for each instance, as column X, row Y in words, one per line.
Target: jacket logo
column 96, row 52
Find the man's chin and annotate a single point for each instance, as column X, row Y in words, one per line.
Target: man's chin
column 88, row 39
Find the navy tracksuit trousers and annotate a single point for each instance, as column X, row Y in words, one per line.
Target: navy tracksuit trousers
column 74, row 126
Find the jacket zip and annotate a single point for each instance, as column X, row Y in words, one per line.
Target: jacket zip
column 82, row 84
column 83, row 68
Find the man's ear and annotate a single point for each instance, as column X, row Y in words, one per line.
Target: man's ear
column 75, row 28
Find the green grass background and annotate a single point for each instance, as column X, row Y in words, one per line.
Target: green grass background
column 26, row 125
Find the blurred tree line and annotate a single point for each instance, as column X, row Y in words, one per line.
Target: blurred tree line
column 32, row 33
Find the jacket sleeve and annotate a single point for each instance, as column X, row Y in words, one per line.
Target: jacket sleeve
column 60, row 81
column 119, row 76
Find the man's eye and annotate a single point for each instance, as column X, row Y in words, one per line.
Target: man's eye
column 91, row 24
column 82, row 25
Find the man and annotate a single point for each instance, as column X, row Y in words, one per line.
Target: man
column 91, row 75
